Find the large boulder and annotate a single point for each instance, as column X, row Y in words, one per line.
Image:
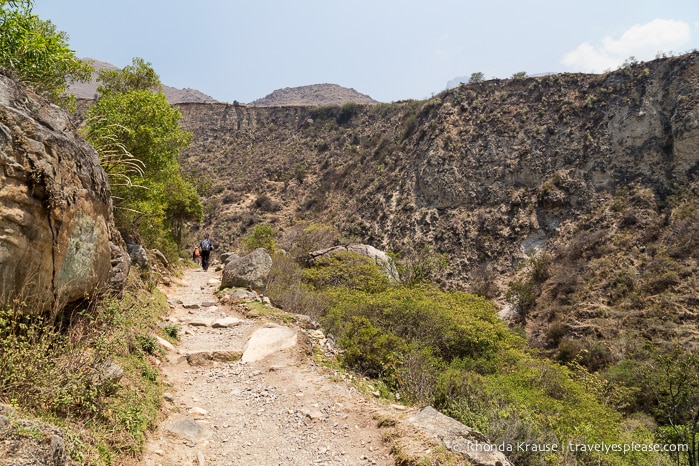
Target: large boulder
column 459, row 438
column 226, row 257
column 379, row 257
column 248, row 271
column 58, row 243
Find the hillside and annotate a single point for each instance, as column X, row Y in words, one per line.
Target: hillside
column 597, row 171
column 570, row 201
column 313, row 95
column 174, row 95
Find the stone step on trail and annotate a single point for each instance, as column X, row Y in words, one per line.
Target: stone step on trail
column 268, row 340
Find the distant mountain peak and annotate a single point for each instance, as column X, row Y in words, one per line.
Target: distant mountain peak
column 313, row 95
column 174, row 95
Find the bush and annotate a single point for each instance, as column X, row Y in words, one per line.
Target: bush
column 371, row 351
column 421, row 265
column 304, row 238
column 265, row 203
column 452, row 325
column 285, row 289
column 346, row 270
column 450, row 350
column 262, row 236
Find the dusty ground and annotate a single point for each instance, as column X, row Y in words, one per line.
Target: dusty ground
column 282, row 410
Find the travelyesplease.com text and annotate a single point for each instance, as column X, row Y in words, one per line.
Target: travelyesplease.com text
column 606, row 448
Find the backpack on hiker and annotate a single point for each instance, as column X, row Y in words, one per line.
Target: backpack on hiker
column 206, row 245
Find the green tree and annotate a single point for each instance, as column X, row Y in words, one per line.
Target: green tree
column 477, row 77
column 38, row 53
column 137, row 76
column 138, row 136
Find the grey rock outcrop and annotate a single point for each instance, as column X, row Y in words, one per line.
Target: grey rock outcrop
column 138, row 255
column 45, row 447
column 459, row 438
column 248, row 271
column 58, row 243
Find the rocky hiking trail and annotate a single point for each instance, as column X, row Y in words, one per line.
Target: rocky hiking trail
column 241, row 389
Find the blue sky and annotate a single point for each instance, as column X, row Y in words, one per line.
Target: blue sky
column 390, row 50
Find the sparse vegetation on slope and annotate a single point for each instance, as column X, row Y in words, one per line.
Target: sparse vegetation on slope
column 94, row 375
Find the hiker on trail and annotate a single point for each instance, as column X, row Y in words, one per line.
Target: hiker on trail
column 196, row 256
column 206, row 246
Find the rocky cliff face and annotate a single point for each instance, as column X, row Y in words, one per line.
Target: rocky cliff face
column 58, row 243
column 487, row 172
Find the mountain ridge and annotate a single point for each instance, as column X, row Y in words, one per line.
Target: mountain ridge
column 88, row 90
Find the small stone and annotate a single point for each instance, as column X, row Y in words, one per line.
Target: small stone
column 198, row 411
column 191, row 306
column 168, row 397
column 312, row 413
column 164, row 343
column 226, row 322
column 199, row 323
column 317, row 334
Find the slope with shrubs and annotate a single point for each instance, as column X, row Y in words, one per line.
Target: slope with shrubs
column 66, row 373
column 450, row 350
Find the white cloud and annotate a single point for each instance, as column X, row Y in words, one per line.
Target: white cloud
column 642, row 41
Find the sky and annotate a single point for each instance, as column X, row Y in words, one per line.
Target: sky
column 242, row 50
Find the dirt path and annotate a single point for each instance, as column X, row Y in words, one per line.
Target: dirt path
column 280, row 410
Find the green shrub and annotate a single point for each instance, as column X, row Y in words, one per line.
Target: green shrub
column 450, row 350
column 262, row 236
column 452, row 325
column 172, row 331
column 522, row 294
column 421, row 265
column 370, row 350
column 286, row 290
column 346, row 270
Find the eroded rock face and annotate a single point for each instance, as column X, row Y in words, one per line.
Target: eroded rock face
column 58, row 243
